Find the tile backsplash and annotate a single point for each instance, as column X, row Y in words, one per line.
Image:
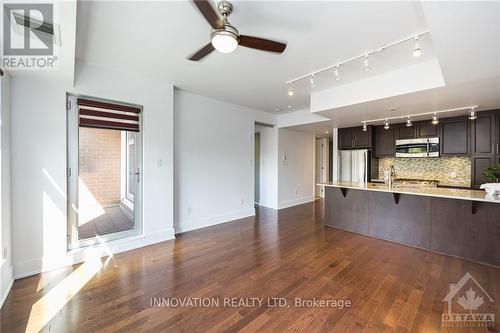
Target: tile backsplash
column 439, row 168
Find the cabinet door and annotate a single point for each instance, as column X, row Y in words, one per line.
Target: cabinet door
column 345, row 138
column 484, row 134
column 384, row 141
column 427, row 130
column 455, row 137
column 478, row 165
column 497, row 129
column 404, row 132
column 362, row 139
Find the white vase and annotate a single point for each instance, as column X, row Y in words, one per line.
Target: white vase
column 491, row 188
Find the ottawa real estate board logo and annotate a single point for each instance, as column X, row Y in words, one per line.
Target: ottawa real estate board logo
column 29, row 35
column 469, row 305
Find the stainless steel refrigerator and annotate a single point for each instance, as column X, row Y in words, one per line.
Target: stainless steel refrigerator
column 353, row 165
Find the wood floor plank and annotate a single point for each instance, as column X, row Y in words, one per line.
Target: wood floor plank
column 287, row 254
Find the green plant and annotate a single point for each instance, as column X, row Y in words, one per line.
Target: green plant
column 492, row 173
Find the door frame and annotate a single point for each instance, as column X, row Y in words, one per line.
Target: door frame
column 72, row 169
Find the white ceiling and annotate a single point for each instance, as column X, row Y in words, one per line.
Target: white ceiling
column 155, row 38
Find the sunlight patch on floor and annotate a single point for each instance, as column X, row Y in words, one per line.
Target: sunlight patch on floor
column 52, row 302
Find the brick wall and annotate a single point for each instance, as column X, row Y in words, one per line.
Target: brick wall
column 99, row 159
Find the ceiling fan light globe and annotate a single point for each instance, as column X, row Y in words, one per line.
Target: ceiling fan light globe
column 224, row 43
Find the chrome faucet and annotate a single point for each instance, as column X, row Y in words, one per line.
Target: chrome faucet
column 392, row 174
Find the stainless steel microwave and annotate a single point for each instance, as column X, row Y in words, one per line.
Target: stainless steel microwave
column 428, row 147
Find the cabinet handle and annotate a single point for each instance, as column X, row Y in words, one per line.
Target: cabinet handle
column 498, row 150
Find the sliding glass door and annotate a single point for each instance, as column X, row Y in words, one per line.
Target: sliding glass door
column 104, row 171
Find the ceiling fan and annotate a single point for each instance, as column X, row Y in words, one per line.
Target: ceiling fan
column 225, row 37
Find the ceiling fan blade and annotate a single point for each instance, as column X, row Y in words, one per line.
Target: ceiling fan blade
column 262, row 44
column 209, row 13
column 204, row 51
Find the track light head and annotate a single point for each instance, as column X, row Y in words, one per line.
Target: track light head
column 291, row 92
column 365, row 127
column 408, row 122
column 386, row 124
column 313, row 81
column 366, row 63
column 435, row 119
column 472, row 113
column 417, row 51
column 336, row 72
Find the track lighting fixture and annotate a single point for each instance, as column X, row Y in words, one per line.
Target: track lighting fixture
column 417, row 51
column 336, row 72
column 313, row 81
column 365, row 127
column 366, row 63
column 408, row 122
column 365, row 57
column 435, row 119
column 472, row 113
column 290, row 90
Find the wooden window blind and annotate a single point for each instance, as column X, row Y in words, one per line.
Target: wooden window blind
column 97, row 114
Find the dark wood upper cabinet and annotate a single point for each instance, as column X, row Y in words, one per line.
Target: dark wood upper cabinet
column 384, row 141
column 345, row 138
column 405, row 132
column 455, row 137
column 497, row 149
column 484, row 134
column 362, row 139
column 355, row 137
column 426, row 129
column 484, row 139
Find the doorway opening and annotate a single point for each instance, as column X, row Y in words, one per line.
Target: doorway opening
column 322, row 165
column 104, row 171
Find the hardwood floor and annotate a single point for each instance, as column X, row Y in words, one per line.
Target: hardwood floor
column 287, row 254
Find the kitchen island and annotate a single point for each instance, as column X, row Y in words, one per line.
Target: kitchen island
column 459, row 222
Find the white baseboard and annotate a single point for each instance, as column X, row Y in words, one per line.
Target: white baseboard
column 39, row 265
column 6, row 281
column 213, row 220
column 295, row 202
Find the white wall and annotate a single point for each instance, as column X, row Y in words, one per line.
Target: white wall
column 6, row 273
column 39, row 164
column 295, row 168
column 269, row 167
column 214, row 160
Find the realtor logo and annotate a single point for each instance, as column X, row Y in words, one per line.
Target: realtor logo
column 468, row 305
column 29, row 35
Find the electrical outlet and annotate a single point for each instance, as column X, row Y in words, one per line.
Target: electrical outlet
column 453, row 174
column 189, row 210
column 242, row 201
column 296, row 192
column 4, row 253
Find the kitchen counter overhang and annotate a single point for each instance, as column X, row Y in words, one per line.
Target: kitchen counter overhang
column 429, row 191
column 458, row 222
